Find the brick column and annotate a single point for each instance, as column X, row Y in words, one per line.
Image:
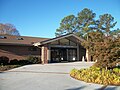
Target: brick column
column 78, row 54
column 48, row 54
column 44, row 55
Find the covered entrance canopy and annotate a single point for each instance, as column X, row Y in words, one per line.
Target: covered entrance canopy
column 64, row 48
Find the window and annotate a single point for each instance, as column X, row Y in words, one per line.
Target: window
column 72, row 43
column 64, row 42
column 55, row 42
column 32, row 49
column 3, row 37
column 19, row 38
column 72, row 54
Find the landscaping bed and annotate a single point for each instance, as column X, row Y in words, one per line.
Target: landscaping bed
column 6, row 64
column 97, row 75
column 8, row 67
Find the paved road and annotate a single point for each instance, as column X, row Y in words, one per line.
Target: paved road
column 46, row 77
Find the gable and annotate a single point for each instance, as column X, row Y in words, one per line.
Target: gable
column 65, row 38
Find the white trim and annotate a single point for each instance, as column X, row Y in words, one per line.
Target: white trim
column 36, row 44
column 57, row 38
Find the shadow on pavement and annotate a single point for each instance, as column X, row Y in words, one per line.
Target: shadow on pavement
column 107, row 88
column 111, row 88
column 77, row 88
column 34, row 72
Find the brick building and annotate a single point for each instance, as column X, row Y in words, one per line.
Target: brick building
column 64, row 48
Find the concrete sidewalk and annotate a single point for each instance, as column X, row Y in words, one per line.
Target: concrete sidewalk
column 46, row 77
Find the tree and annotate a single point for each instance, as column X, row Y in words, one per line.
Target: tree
column 67, row 25
column 8, row 29
column 79, row 25
column 115, row 33
column 104, row 44
column 101, row 39
column 105, row 23
column 86, row 22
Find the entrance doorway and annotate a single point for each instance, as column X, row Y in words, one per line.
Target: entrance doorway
column 63, row 54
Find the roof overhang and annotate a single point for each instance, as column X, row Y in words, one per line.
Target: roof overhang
column 16, row 44
column 71, row 37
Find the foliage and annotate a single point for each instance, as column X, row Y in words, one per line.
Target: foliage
column 100, row 38
column 8, row 67
column 106, row 51
column 97, row 75
column 79, row 25
column 68, row 25
column 5, row 65
column 19, row 62
column 30, row 60
column 8, row 29
column 117, row 70
column 24, row 62
column 34, row 60
column 104, row 44
column 14, row 62
column 4, row 60
column 86, row 22
column 105, row 23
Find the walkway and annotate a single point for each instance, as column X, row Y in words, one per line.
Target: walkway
column 46, row 77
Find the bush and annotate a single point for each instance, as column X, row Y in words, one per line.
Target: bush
column 4, row 60
column 8, row 67
column 34, row 60
column 23, row 62
column 103, row 65
column 117, row 70
column 97, row 75
column 14, row 62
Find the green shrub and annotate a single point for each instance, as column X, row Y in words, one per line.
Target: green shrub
column 116, row 70
column 34, row 60
column 14, row 62
column 97, row 75
column 8, row 67
column 23, row 62
column 4, row 60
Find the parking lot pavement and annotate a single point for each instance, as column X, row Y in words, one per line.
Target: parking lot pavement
column 47, row 77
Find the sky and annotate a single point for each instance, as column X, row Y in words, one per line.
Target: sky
column 41, row 18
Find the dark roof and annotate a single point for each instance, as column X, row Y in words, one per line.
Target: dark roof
column 19, row 40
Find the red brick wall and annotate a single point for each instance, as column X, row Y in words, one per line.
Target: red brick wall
column 45, row 54
column 18, row 52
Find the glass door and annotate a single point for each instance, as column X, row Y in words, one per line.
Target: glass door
column 63, row 54
column 72, row 54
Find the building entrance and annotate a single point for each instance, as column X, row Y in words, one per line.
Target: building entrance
column 63, row 54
